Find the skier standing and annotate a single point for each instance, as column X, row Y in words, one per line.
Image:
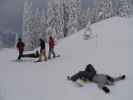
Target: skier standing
column 20, row 47
column 51, row 47
column 42, row 51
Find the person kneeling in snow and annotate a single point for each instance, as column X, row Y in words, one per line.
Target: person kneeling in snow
column 90, row 74
column 42, row 51
column 31, row 55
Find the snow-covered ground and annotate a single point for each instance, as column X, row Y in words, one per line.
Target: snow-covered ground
column 109, row 52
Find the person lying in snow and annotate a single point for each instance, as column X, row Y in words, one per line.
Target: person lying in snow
column 90, row 74
column 31, row 55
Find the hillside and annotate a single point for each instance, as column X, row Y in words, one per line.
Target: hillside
column 109, row 53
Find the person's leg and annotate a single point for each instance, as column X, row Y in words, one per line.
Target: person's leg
column 77, row 76
column 52, row 50
column 112, row 79
column 103, row 87
column 101, row 81
column 20, row 55
column 45, row 56
column 119, row 78
column 49, row 54
column 41, row 55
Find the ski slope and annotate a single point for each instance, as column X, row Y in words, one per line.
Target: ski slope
column 109, row 52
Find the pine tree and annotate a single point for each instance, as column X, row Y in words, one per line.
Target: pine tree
column 43, row 26
column 124, row 8
column 85, row 17
column 77, row 13
column 74, row 15
column 52, row 17
column 27, row 24
column 103, row 9
column 65, row 15
column 55, row 18
column 36, row 28
column 59, row 20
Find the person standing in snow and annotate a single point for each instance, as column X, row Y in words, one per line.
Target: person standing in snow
column 20, row 47
column 42, row 51
column 51, row 47
column 102, row 80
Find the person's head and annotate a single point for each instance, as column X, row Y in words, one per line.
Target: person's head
column 89, row 65
column 50, row 37
column 41, row 40
column 90, row 68
column 37, row 53
column 19, row 39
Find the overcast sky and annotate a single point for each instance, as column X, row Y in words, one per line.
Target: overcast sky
column 11, row 13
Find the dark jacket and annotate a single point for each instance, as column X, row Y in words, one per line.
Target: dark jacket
column 42, row 44
column 90, row 69
column 20, row 46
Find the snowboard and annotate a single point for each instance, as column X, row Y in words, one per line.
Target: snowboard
column 57, row 56
column 22, row 60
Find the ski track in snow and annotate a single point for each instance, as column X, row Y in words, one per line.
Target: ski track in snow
column 109, row 53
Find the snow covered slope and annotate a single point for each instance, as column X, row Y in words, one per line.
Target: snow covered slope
column 108, row 52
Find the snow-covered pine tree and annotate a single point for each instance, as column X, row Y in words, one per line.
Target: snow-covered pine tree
column 74, row 13
column 77, row 12
column 50, row 15
column 27, row 25
column 55, row 19
column 103, row 9
column 36, row 28
column 131, row 7
column 43, row 26
column 124, row 8
column 65, row 15
column 93, row 15
column 88, row 31
column 82, row 19
column 59, row 20
column 85, row 17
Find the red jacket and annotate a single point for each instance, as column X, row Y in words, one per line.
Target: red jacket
column 51, row 42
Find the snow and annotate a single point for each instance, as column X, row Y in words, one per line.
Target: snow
column 109, row 52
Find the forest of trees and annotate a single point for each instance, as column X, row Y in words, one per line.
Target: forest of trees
column 65, row 17
column 7, row 39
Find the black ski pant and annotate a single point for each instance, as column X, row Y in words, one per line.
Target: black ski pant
column 51, row 51
column 84, row 75
column 20, row 54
